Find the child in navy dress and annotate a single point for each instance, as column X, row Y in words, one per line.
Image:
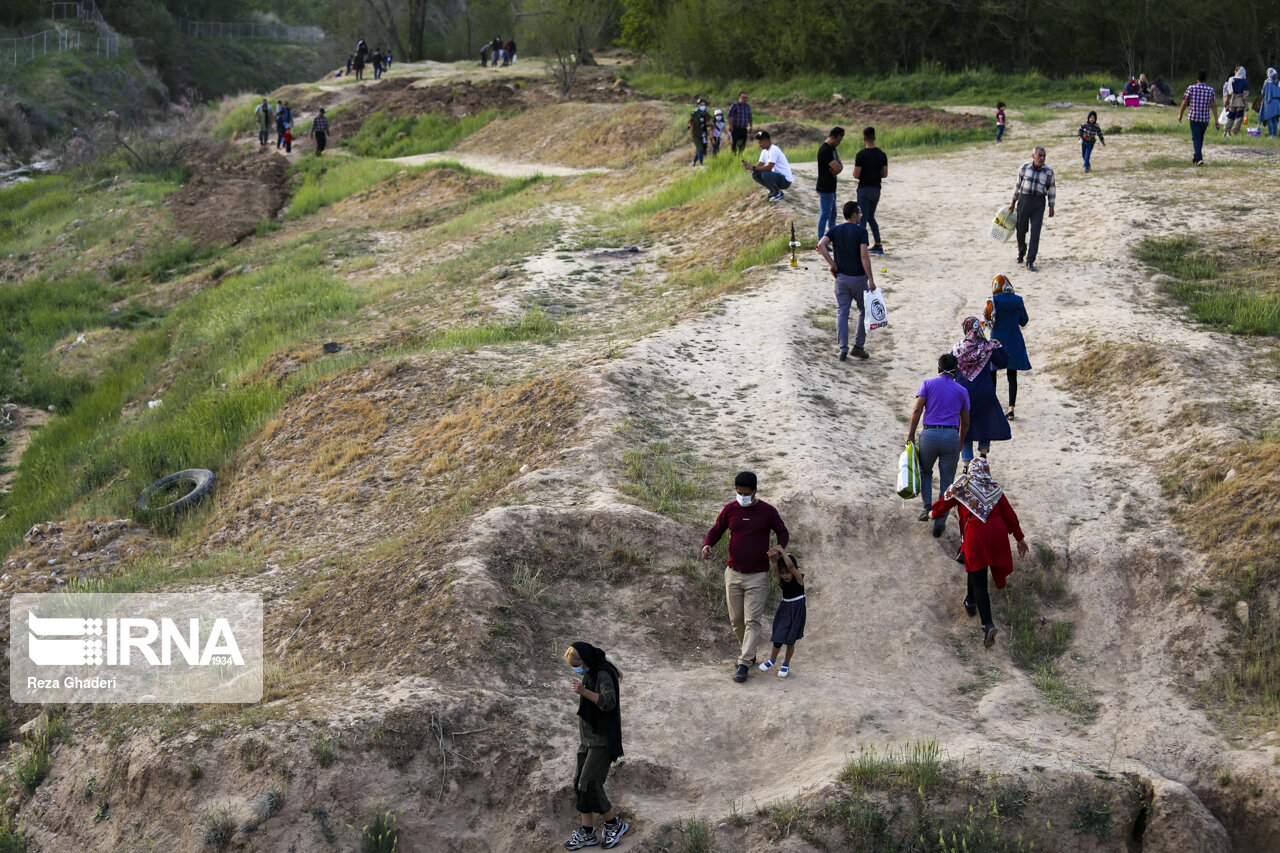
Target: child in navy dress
column 788, row 622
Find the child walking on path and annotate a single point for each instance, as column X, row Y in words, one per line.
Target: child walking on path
column 788, row 622
column 1089, row 133
column 999, row 120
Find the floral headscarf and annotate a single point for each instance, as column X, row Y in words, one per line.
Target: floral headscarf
column 975, row 490
column 1273, row 77
column 975, row 350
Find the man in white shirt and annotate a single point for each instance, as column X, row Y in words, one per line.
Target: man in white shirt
column 772, row 171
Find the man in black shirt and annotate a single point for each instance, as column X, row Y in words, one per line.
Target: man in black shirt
column 829, row 166
column 852, row 270
column 870, row 167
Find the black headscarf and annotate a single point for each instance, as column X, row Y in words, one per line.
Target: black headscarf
column 608, row 723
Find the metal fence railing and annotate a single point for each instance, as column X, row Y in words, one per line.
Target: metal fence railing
column 246, row 30
column 16, row 51
column 103, row 42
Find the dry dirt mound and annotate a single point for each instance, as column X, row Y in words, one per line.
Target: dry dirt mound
column 582, row 135
column 856, row 113
column 400, row 96
column 225, row 201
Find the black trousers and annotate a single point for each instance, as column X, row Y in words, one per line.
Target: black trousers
column 321, row 137
column 1013, row 387
column 1030, row 217
column 739, row 140
column 978, row 595
column 588, row 782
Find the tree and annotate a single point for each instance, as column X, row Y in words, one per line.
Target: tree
column 569, row 31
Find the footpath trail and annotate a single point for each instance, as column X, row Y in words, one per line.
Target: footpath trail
column 887, row 644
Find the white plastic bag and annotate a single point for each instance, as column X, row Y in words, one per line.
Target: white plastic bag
column 876, row 314
column 908, row 473
column 1222, row 119
column 1004, row 225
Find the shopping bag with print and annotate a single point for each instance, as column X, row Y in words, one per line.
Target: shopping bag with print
column 877, row 315
column 909, row 472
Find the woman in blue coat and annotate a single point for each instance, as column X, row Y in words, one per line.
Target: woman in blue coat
column 979, row 360
column 1269, row 111
column 1007, row 315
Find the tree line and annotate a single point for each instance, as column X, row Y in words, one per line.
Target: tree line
column 756, row 38
column 724, row 39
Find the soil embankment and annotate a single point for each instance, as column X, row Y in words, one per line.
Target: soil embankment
column 422, row 659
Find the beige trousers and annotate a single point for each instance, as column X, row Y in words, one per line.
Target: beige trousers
column 745, row 593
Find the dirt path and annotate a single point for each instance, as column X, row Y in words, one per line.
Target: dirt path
column 887, row 642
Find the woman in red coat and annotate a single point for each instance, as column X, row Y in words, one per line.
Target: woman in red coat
column 986, row 521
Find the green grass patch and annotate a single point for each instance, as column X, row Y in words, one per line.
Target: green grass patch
column 384, row 136
column 239, row 119
column 327, row 181
column 720, row 173
column 1236, row 288
column 1036, row 643
column 666, row 479
column 918, row 766
column 208, row 351
column 930, row 84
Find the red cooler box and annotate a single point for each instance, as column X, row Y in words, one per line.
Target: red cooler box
column 1131, row 100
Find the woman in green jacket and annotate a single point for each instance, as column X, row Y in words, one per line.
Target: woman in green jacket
column 600, row 731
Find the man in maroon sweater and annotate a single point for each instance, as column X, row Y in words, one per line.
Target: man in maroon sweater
column 746, row 580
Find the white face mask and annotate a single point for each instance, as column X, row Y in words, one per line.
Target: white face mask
column 745, row 500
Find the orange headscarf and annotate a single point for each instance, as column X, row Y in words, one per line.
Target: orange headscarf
column 999, row 284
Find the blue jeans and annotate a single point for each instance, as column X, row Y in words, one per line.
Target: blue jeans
column 966, row 452
column 849, row 289
column 868, row 198
column 827, row 218
column 1197, row 139
column 771, row 180
column 999, row 132
column 1271, row 126
column 1086, row 148
column 941, row 446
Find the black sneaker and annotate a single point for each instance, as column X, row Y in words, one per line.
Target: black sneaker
column 924, row 516
column 740, row 675
column 581, row 839
column 613, row 833
column 877, row 249
column 1019, row 261
column 988, row 636
column 844, row 355
column 969, row 608
column 859, row 352
column 1031, row 266
column 939, row 525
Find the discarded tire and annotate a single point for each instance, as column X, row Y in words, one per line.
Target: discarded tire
column 201, row 480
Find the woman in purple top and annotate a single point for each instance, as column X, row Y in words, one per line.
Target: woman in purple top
column 944, row 407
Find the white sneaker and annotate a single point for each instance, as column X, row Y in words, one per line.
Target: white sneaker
column 784, row 670
column 767, row 665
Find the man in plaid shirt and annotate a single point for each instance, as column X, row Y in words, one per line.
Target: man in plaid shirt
column 1203, row 101
column 320, row 130
column 1035, row 187
column 740, row 122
